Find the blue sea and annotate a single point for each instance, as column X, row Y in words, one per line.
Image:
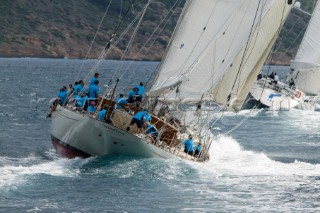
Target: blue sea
column 269, row 163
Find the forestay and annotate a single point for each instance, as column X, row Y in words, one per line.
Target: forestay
column 209, row 37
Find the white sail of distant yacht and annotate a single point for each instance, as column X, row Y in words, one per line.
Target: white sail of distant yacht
column 216, row 50
column 306, row 65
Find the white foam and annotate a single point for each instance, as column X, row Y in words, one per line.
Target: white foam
column 14, row 172
column 228, row 157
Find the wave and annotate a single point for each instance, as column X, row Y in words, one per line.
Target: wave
column 16, row 171
column 228, row 157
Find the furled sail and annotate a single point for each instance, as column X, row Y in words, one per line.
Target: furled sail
column 210, row 36
column 305, row 66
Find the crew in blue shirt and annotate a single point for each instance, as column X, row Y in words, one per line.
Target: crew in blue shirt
column 197, row 150
column 81, row 100
column 147, row 116
column 188, row 145
column 94, row 91
column 140, row 92
column 132, row 95
column 78, row 88
column 63, row 96
column 121, row 102
column 95, row 77
column 92, row 107
column 74, row 89
column 139, row 119
column 103, row 114
column 153, row 132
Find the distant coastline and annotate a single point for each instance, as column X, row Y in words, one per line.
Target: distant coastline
column 67, row 32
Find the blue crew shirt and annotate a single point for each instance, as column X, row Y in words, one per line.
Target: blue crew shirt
column 81, row 100
column 131, row 94
column 63, row 96
column 77, row 89
column 147, row 117
column 121, row 101
column 188, row 145
column 140, row 115
column 92, row 109
column 93, row 91
column 102, row 114
column 198, row 148
column 93, row 80
column 140, row 90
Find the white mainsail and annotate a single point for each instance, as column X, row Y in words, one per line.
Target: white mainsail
column 210, row 37
column 306, row 65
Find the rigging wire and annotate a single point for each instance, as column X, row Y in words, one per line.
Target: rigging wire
column 126, row 52
column 102, row 55
column 94, row 38
column 108, row 48
column 228, row 52
column 246, row 49
column 249, row 38
column 272, row 53
column 130, row 42
column 247, row 117
column 167, row 18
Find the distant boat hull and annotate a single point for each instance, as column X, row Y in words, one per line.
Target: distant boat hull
column 272, row 98
column 76, row 135
column 310, row 103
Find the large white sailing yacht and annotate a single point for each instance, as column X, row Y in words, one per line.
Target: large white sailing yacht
column 214, row 55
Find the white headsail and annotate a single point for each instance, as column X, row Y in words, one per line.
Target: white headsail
column 306, row 68
column 210, row 36
column 239, row 77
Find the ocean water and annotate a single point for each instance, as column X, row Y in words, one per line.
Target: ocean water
column 269, row 163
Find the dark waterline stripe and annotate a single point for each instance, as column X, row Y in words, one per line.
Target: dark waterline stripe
column 66, row 150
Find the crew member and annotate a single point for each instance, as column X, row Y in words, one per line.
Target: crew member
column 188, row 145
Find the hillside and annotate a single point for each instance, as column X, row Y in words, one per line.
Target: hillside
column 56, row 28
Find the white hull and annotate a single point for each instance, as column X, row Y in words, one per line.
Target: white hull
column 272, row 98
column 74, row 134
column 306, row 106
column 309, row 103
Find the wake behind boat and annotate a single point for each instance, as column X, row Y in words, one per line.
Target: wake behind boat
column 216, row 50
